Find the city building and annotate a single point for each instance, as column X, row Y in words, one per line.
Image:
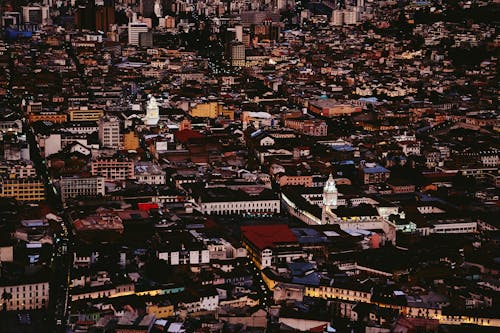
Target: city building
column 29, row 295
column 85, row 114
column 113, row 169
column 134, row 30
column 23, row 189
column 182, row 249
column 149, row 173
column 238, row 55
column 36, row 14
column 73, row 187
column 372, row 173
column 224, row 201
column 269, row 245
column 109, row 132
column 332, row 108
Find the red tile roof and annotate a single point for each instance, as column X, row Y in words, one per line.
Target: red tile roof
column 184, row 135
column 268, row 236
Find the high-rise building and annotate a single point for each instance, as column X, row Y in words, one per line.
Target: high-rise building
column 238, row 55
column 113, row 169
column 36, row 14
column 11, row 19
column 147, row 7
column 284, row 4
column 337, row 17
column 95, row 15
column 350, row 17
column 109, row 132
column 104, row 17
column 134, row 30
column 239, row 33
column 27, row 189
column 146, row 39
column 341, row 17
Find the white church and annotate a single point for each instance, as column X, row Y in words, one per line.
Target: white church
column 152, row 112
column 331, row 207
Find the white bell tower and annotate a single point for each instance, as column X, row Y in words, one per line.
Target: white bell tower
column 152, row 112
column 330, row 193
column 330, row 197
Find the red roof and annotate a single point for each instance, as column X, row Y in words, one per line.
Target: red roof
column 146, row 206
column 184, row 135
column 320, row 328
column 268, row 236
column 439, row 174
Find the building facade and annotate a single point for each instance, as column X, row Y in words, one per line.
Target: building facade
column 27, row 296
column 22, row 189
column 113, row 169
column 109, row 132
column 72, row 187
column 240, row 207
column 85, row 114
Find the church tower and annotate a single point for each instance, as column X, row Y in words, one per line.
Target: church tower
column 152, row 112
column 330, row 197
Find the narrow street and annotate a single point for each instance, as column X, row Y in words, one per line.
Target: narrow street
column 62, row 254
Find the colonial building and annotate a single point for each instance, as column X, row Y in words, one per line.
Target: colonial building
column 149, row 173
column 227, row 201
column 27, row 189
column 113, row 169
column 72, row 187
column 372, row 173
column 269, row 245
column 181, row 248
column 25, row 294
column 351, row 214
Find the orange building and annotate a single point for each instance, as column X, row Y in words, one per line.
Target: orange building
column 306, row 181
column 57, row 118
column 130, row 140
column 332, row 108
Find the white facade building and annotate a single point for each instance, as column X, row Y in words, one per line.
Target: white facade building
column 26, row 296
column 72, row 187
column 134, row 31
column 457, row 227
column 109, row 132
column 184, row 257
column 149, row 173
column 36, row 14
column 341, row 17
column 240, row 207
column 209, row 302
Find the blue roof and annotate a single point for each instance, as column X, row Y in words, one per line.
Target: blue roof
column 299, row 268
column 368, row 99
column 376, row 169
column 343, row 148
column 307, row 235
column 257, row 132
column 304, row 273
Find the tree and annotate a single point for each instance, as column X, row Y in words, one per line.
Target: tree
column 5, row 297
